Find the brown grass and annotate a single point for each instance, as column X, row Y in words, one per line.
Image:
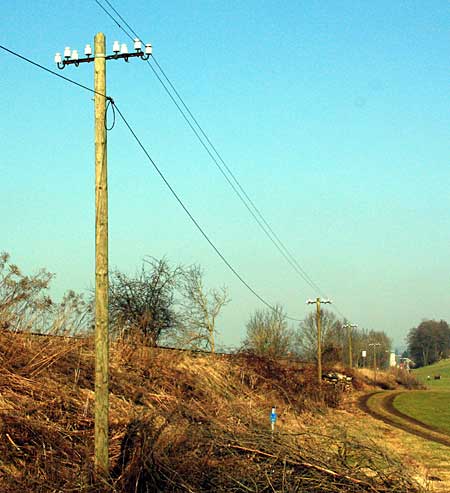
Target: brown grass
column 178, row 422
column 390, row 379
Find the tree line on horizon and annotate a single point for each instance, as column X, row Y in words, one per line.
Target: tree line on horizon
column 164, row 305
column 269, row 334
column 429, row 342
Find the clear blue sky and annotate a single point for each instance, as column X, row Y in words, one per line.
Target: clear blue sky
column 333, row 115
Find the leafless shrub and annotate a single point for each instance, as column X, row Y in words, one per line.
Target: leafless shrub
column 73, row 316
column 144, row 304
column 406, row 378
column 268, row 334
column 25, row 305
column 24, row 301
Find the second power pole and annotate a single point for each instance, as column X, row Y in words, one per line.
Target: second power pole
column 319, row 343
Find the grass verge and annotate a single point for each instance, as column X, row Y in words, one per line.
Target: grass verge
column 429, row 407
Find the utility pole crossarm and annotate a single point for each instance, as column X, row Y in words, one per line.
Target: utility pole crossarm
column 120, row 52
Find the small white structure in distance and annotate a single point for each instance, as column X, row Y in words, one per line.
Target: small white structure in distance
column 392, row 360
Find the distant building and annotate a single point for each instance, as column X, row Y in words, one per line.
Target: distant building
column 392, row 359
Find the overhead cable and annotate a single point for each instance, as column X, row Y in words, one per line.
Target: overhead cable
column 205, row 141
column 160, row 173
column 191, row 217
column 240, row 191
column 93, row 91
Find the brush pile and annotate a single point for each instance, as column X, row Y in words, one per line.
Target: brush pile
column 179, row 422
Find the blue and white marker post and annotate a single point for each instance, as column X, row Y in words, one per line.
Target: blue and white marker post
column 273, row 418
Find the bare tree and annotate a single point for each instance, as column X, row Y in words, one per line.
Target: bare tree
column 268, row 333
column 306, row 337
column 360, row 341
column 382, row 350
column 200, row 308
column 144, row 305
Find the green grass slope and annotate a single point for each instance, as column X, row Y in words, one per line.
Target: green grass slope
column 431, row 406
column 441, row 368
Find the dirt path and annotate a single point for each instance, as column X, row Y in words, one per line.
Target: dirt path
column 427, row 458
column 392, row 416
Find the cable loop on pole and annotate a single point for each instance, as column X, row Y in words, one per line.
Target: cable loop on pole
column 110, row 103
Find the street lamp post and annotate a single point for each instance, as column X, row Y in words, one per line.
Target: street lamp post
column 101, row 227
column 317, row 302
column 349, row 328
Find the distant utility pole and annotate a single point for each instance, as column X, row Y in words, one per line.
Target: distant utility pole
column 101, row 228
column 349, row 328
column 374, row 345
column 317, row 302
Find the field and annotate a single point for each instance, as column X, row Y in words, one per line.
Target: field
column 441, row 368
column 429, row 407
column 432, row 406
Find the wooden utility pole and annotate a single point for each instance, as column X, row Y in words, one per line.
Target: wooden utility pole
column 317, row 302
column 101, row 262
column 349, row 328
column 350, row 349
column 101, row 226
column 374, row 345
column 319, row 343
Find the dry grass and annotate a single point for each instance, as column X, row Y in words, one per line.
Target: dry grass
column 428, row 460
column 178, row 422
column 390, row 379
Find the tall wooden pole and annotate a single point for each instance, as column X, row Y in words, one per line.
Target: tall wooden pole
column 349, row 327
column 374, row 345
column 319, row 343
column 318, row 301
column 350, row 350
column 101, row 262
column 375, row 363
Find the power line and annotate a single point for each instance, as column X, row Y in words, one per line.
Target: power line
column 113, row 18
column 240, row 191
column 191, row 217
column 122, row 19
column 275, row 239
column 236, row 186
column 169, row 186
column 53, row 73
